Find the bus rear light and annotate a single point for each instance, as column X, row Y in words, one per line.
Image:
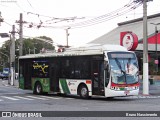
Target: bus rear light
column 88, row 81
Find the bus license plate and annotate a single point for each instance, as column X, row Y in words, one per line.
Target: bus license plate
column 126, row 92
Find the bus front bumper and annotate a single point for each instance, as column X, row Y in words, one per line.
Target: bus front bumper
column 116, row 93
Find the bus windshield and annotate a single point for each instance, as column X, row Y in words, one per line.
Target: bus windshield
column 124, row 67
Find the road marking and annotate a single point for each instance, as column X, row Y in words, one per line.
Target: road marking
column 9, row 98
column 147, row 96
column 37, row 97
column 69, row 98
column 32, row 98
column 23, row 98
column 142, row 97
column 50, row 97
column 56, row 97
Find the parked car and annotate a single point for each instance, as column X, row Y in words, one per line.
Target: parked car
column 3, row 76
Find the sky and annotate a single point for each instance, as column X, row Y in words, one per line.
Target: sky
column 55, row 16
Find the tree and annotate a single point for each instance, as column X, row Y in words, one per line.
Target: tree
column 35, row 45
column 30, row 46
column 4, row 55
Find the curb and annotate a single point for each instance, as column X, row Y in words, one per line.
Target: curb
column 7, row 85
column 144, row 97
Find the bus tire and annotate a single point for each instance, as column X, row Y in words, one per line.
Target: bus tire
column 83, row 91
column 38, row 89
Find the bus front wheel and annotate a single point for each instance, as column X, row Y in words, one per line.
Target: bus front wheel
column 38, row 89
column 83, row 92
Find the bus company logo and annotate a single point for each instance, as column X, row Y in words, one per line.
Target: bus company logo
column 129, row 40
column 42, row 67
column 69, row 84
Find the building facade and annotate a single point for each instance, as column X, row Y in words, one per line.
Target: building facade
column 136, row 26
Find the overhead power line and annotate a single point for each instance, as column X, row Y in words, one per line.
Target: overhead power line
column 30, row 4
column 132, row 5
column 103, row 18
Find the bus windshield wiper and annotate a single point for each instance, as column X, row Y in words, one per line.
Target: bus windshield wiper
column 119, row 65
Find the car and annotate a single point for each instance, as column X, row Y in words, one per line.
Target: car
column 3, row 76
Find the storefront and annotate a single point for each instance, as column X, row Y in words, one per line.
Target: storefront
column 136, row 27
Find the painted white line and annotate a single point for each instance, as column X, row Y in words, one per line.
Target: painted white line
column 69, row 98
column 143, row 97
column 37, row 97
column 23, row 98
column 56, row 97
column 10, row 98
column 50, row 97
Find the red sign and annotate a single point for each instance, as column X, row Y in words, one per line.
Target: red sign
column 129, row 40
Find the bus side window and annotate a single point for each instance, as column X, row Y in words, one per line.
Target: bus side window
column 65, row 69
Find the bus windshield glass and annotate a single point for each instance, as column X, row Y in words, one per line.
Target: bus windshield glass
column 124, row 67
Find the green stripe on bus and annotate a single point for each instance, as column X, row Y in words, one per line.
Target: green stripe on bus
column 64, row 86
column 21, row 82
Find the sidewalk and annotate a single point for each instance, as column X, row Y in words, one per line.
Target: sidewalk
column 5, row 83
column 154, row 89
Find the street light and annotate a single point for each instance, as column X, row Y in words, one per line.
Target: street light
column 156, row 39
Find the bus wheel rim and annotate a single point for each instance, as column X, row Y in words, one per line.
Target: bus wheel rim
column 38, row 89
column 83, row 91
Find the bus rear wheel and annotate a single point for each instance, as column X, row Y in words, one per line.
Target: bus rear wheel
column 38, row 89
column 83, row 91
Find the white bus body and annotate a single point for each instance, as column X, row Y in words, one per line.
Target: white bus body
column 103, row 70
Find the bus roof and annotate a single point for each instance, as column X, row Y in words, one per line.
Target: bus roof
column 88, row 49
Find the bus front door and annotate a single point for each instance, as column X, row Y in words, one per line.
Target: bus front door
column 98, row 77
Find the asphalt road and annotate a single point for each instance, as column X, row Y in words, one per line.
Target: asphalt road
column 14, row 99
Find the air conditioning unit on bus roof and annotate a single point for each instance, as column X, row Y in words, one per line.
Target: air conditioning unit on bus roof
column 98, row 47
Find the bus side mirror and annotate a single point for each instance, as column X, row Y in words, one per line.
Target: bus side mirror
column 105, row 65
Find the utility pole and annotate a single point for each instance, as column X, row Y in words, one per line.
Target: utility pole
column 156, row 42
column 1, row 19
column 21, row 22
column 67, row 34
column 67, row 37
column 156, row 60
column 145, row 50
column 21, row 35
column 12, row 56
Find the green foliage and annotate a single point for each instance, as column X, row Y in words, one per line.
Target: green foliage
column 30, row 46
column 4, row 55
